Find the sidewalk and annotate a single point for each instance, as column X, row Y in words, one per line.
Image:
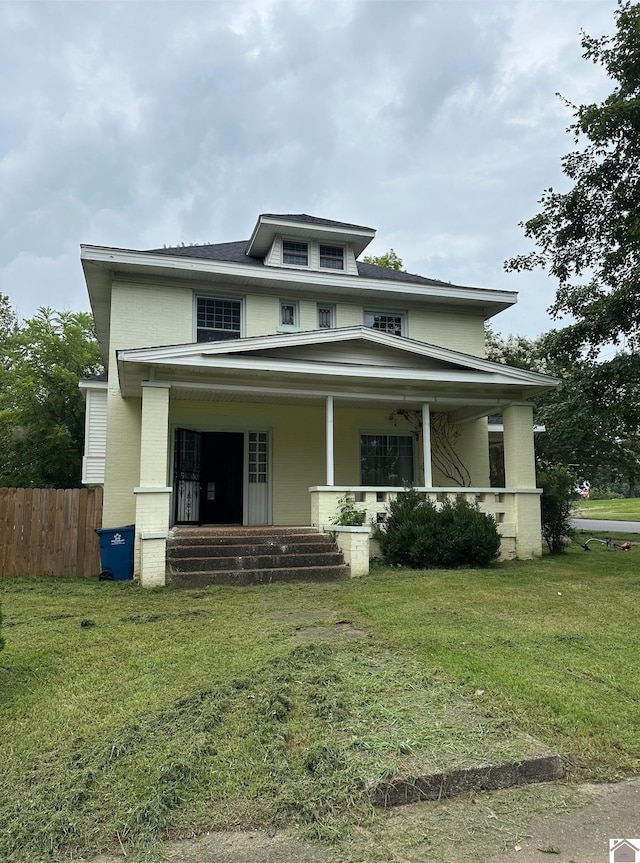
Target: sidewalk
column 582, row 835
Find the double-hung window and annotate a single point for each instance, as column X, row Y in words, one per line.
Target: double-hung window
column 296, row 254
column 386, row 459
column 387, row 322
column 332, row 257
column 217, row 319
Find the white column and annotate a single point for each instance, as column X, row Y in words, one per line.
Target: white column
column 426, row 445
column 153, row 494
column 329, row 434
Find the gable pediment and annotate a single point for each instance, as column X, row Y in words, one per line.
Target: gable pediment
column 358, row 351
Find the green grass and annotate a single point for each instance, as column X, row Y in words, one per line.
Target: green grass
column 129, row 715
column 623, row 509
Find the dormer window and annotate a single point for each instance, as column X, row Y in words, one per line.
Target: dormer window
column 332, row 257
column 296, row 254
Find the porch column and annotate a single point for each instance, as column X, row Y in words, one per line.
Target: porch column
column 519, row 456
column 520, row 473
column 329, row 438
column 153, row 494
column 426, row 445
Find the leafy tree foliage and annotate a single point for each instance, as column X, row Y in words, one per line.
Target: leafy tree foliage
column 520, row 352
column 390, row 260
column 589, row 237
column 592, row 419
column 557, row 483
column 41, row 407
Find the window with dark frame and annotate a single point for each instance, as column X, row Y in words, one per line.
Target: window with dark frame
column 295, row 253
column 332, row 257
column 386, row 323
column 288, row 314
column 386, row 459
column 326, row 317
column 217, row 320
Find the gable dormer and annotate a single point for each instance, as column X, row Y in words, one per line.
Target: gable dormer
column 303, row 242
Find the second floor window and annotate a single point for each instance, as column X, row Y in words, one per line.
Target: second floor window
column 218, row 320
column 386, row 322
column 326, row 317
column 295, row 253
column 288, row 313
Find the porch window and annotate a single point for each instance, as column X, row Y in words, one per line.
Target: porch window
column 387, row 322
column 386, row 459
column 218, row 320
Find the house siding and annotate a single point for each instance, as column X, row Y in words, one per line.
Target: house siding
column 449, row 329
column 95, row 436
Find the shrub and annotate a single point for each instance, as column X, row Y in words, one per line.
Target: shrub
column 1, row 638
column 348, row 514
column 420, row 535
column 555, row 506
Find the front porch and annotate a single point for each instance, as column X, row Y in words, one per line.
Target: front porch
column 292, row 433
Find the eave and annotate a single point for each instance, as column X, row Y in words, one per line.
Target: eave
column 267, row 228
column 102, row 265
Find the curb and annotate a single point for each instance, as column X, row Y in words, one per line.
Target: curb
column 484, row 777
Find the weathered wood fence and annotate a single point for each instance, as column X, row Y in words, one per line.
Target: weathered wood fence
column 50, row 532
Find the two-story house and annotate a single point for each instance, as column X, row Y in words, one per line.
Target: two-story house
column 254, row 382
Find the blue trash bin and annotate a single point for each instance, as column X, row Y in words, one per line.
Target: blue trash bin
column 116, row 552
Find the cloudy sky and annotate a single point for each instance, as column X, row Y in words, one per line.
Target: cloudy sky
column 139, row 124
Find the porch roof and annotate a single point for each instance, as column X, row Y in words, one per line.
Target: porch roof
column 354, row 364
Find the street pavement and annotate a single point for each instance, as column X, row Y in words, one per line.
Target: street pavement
column 597, row 524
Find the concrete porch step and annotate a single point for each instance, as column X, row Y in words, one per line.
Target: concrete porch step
column 250, row 561
column 197, row 556
column 243, row 577
column 177, row 550
column 279, row 538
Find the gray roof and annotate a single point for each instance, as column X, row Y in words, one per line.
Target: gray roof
column 313, row 220
column 235, row 253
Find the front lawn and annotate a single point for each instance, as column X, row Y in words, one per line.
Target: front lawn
column 623, row 509
column 128, row 715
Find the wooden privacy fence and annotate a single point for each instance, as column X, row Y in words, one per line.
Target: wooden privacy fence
column 49, row 531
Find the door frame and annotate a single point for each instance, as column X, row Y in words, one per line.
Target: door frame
column 244, row 429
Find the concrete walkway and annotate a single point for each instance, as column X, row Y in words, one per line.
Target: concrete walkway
column 583, row 834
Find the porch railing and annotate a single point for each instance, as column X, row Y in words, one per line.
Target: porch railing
column 515, row 511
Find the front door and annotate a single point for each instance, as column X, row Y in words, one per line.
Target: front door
column 221, row 476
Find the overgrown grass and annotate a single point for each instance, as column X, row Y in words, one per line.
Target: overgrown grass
column 622, row 509
column 129, row 715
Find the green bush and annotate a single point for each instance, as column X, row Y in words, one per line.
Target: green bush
column 420, row 535
column 557, row 485
column 1, row 638
column 348, row 514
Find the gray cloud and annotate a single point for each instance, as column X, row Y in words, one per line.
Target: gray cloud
column 138, row 124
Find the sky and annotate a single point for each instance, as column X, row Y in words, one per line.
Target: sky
column 141, row 124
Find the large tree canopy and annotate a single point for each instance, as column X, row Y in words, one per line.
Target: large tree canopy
column 589, row 237
column 592, row 419
column 41, row 407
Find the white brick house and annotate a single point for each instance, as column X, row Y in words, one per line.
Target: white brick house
column 255, row 382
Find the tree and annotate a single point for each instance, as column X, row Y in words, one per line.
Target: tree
column 520, row 352
column 591, row 419
column 390, row 260
column 589, row 237
column 41, row 407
